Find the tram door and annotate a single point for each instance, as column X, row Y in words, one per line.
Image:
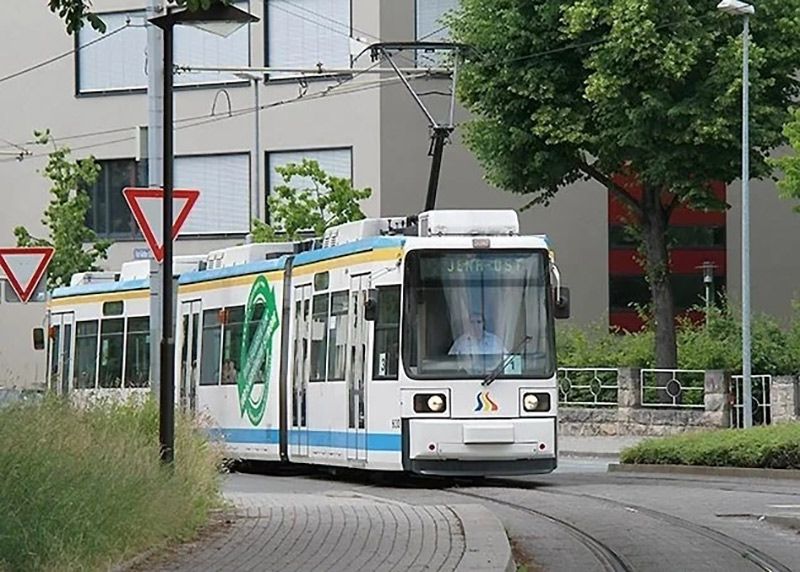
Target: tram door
column 355, row 370
column 302, row 362
column 60, row 352
column 190, row 363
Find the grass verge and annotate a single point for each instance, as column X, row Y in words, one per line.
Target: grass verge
column 772, row 447
column 84, row 489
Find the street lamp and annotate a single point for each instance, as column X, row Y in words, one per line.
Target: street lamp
column 744, row 9
column 222, row 20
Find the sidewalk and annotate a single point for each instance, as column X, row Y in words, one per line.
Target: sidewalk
column 294, row 532
column 598, row 447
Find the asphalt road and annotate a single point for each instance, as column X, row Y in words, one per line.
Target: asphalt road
column 583, row 519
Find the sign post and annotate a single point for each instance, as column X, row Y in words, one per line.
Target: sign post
column 24, row 267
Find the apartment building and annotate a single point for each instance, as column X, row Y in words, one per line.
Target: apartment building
column 361, row 126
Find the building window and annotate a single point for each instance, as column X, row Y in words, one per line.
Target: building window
column 688, row 290
column 335, row 162
column 223, row 206
column 306, row 33
column 108, row 214
column 678, row 237
column 224, row 184
column 118, row 62
column 429, row 13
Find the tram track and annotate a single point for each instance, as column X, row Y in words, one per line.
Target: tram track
column 750, row 553
column 610, row 560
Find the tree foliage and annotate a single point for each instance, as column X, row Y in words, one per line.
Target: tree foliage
column 321, row 202
column 76, row 246
column 790, row 164
column 77, row 13
column 642, row 90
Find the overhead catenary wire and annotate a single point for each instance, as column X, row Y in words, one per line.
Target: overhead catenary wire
column 63, row 55
column 205, row 119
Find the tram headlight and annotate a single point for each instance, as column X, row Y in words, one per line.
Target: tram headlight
column 430, row 403
column 536, row 402
column 436, row 403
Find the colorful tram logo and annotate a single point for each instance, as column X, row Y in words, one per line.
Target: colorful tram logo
column 261, row 323
column 484, row 402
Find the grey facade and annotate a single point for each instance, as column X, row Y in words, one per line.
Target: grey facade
column 384, row 131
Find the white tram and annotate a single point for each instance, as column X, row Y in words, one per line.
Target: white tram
column 424, row 345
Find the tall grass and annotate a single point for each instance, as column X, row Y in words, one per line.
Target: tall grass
column 82, row 489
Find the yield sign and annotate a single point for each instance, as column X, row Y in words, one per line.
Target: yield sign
column 146, row 206
column 24, row 267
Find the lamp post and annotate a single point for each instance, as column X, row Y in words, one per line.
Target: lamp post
column 222, row 20
column 744, row 9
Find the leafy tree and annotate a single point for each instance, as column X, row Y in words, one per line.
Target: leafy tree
column 76, row 13
column 324, row 201
column 643, row 91
column 65, row 217
column 790, row 164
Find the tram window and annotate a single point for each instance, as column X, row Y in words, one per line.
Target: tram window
column 55, row 334
column 387, row 334
column 113, row 308
column 137, row 352
column 319, row 337
column 111, row 347
column 232, row 344
column 337, row 336
column 321, row 281
column 86, row 354
column 210, row 354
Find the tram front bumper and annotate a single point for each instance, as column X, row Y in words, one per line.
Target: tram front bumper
column 479, row 446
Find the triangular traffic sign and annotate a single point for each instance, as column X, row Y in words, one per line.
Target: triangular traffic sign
column 24, row 267
column 146, row 206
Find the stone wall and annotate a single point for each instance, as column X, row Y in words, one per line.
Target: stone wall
column 631, row 418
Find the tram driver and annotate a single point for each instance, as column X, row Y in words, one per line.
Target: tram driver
column 477, row 340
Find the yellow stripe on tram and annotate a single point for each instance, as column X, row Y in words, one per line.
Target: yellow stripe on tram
column 92, row 298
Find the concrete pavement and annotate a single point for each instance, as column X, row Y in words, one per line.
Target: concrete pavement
column 345, row 532
column 601, row 447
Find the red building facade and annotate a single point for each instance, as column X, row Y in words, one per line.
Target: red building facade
column 696, row 239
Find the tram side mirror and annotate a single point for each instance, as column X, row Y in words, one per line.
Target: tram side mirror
column 371, row 306
column 561, row 303
column 38, row 338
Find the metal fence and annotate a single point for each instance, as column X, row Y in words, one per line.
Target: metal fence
column 762, row 400
column 683, row 388
column 588, row 387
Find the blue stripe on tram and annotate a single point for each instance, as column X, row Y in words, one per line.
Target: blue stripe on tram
column 331, row 439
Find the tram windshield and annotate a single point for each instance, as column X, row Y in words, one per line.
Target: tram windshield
column 471, row 314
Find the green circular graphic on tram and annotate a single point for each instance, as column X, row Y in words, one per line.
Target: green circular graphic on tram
column 260, row 324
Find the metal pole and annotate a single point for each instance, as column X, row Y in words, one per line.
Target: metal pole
column 747, row 396
column 155, row 102
column 167, row 390
column 256, row 194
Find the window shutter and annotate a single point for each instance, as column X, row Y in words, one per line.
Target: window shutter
column 224, row 184
column 115, row 62
column 335, row 162
column 304, row 33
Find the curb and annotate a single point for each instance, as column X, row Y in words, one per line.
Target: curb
column 737, row 472
column 791, row 522
column 587, row 455
column 485, row 540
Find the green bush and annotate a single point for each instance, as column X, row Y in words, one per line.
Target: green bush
column 713, row 343
column 774, row 447
column 82, row 489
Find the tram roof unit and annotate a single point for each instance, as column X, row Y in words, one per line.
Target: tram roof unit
column 134, row 275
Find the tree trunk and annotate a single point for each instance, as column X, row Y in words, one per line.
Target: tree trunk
column 655, row 218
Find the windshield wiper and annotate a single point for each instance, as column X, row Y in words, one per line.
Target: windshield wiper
column 504, row 362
